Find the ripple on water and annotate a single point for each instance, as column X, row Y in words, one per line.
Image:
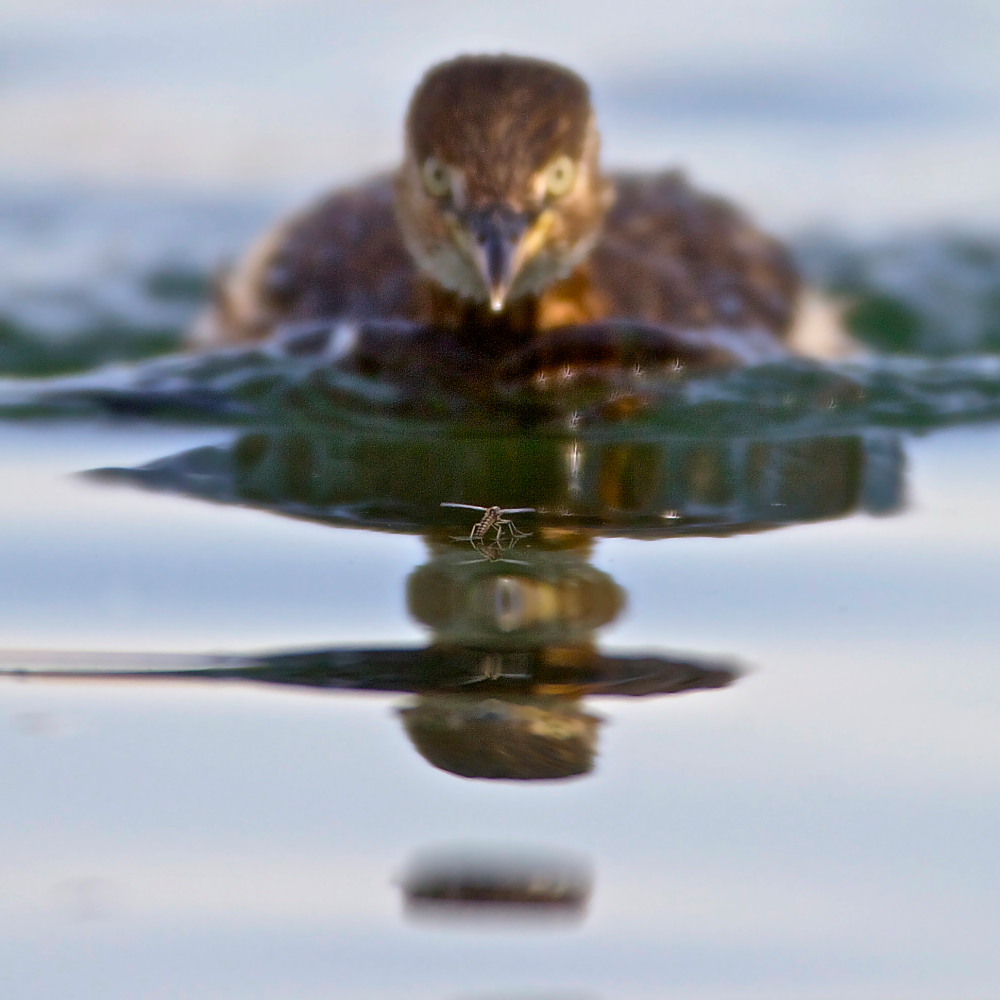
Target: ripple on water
column 88, row 282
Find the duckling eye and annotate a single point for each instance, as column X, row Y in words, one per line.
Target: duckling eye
column 437, row 178
column 560, row 177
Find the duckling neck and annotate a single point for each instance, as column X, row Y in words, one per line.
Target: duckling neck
column 513, row 325
column 570, row 301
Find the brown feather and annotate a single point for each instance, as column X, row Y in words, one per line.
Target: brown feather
column 501, row 117
column 668, row 254
column 664, row 253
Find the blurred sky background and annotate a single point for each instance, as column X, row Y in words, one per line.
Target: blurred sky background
column 862, row 113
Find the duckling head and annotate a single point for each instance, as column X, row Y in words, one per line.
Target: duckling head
column 500, row 193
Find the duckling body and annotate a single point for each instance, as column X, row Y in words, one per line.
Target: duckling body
column 500, row 222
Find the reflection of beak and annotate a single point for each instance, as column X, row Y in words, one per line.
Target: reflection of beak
column 497, row 235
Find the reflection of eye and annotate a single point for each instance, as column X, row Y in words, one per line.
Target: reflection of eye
column 437, row 179
column 560, row 177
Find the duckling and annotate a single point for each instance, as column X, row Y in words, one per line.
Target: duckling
column 501, row 225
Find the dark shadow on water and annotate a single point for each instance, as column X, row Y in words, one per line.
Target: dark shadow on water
column 499, row 688
column 660, row 486
column 453, row 885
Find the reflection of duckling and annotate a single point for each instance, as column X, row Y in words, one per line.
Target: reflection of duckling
column 501, row 220
column 527, row 739
column 519, row 714
column 551, row 599
column 463, row 882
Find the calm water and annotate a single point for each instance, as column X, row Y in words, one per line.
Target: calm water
column 815, row 816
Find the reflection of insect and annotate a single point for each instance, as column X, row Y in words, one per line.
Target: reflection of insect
column 491, row 668
column 493, row 553
column 493, row 520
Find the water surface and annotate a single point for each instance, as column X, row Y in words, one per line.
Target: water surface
column 821, row 824
column 736, row 690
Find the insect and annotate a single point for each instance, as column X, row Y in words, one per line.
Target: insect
column 493, row 519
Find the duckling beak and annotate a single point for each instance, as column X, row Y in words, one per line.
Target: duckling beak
column 497, row 237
